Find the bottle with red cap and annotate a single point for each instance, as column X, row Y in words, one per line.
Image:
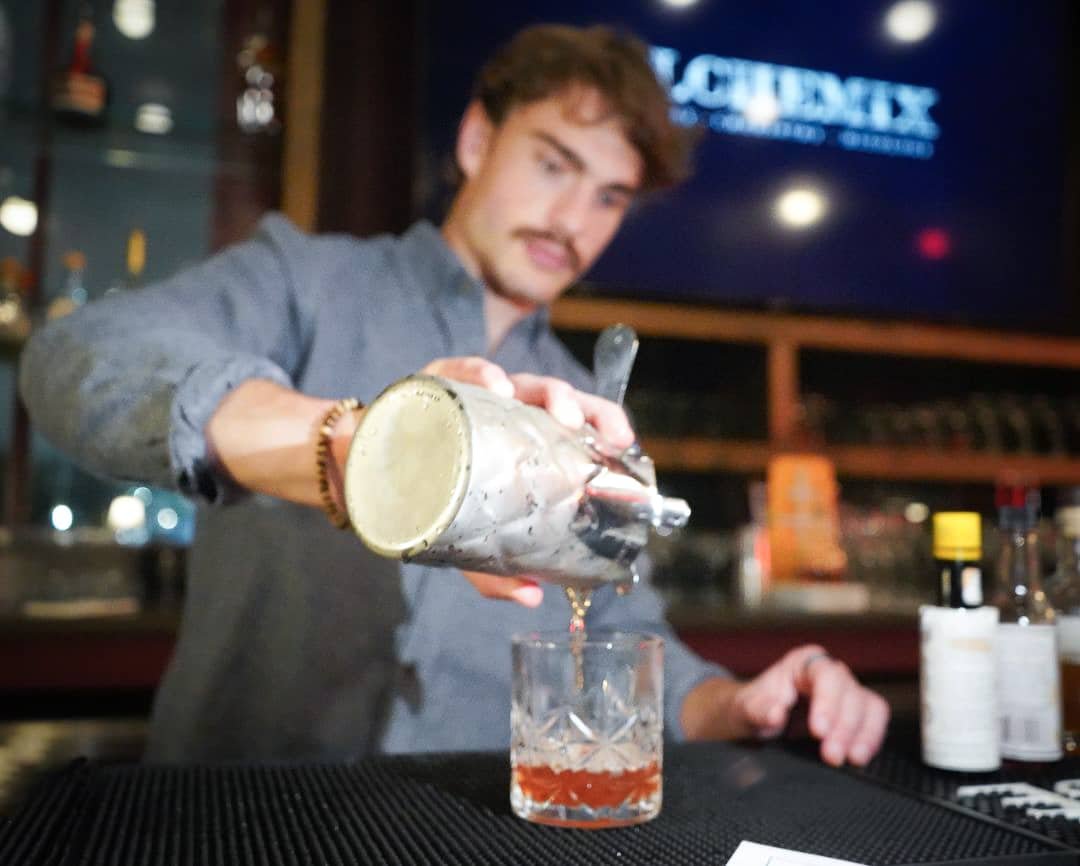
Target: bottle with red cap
column 1029, row 681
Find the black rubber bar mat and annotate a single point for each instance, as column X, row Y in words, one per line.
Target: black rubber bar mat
column 454, row 809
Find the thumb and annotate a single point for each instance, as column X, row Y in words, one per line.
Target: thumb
column 522, row 590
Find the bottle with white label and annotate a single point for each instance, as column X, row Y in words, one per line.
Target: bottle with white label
column 1064, row 591
column 1029, row 680
column 958, row 687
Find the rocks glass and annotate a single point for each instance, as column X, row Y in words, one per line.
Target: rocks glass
column 587, row 728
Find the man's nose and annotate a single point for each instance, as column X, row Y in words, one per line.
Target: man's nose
column 570, row 211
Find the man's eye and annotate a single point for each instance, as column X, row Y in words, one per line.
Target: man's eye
column 612, row 199
column 549, row 165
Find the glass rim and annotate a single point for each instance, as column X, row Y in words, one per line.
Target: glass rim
column 609, row 638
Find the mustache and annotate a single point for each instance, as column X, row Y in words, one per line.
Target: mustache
column 552, row 237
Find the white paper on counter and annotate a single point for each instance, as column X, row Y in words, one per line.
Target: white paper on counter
column 753, row 854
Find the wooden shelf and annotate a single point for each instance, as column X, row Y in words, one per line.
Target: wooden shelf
column 817, row 332
column 863, row 461
column 785, row 336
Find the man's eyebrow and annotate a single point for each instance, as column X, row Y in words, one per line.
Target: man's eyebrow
column 569, row 155
column 579, row 164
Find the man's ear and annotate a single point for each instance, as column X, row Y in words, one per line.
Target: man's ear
column 474, row 138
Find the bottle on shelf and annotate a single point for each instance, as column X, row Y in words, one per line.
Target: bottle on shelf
column 14, row 317
column 80, row 94
column 958, row 685
column 1029, row 680
column 1064, row 590
column 73, row 293
column 134, row 263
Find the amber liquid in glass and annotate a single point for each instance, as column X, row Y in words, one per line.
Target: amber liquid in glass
column 575, row 788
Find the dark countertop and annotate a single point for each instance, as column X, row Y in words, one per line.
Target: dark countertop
column 453, row 809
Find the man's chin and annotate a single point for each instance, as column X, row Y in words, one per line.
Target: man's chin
column 526, row 295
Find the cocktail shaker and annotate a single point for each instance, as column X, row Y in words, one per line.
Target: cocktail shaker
column 451, row 474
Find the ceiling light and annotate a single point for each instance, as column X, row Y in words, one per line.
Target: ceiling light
column 910, row 20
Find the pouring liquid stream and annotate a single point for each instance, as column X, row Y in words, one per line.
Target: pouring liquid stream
column 580, row 599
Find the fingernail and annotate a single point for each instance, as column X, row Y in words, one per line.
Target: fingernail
column 502, row 387
column 530, row 595
column 833, row 754
column 569, row 414
column 860, row 755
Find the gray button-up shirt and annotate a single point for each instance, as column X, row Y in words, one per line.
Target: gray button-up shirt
column 296, row 640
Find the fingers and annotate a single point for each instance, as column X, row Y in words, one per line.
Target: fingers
column 849, row 720
column 768, row 704
column 473, row 370
column 517, row 589
column 573, row 408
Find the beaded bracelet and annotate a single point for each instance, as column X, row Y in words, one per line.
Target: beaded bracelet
column 338, row 518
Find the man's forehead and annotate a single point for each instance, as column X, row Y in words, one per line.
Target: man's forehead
column 585, row 109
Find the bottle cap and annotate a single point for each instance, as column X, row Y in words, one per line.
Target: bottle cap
column 1068, row 518
column 74, row 260
column 957, row 535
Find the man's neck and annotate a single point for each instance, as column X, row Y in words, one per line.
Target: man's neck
column 500, row 313
column 500, row 316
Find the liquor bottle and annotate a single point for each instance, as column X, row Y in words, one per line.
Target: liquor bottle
column 134, row 263
column 80, row 94
column 1064, row 590
column 1029, row 681
column 14, row 318
column 958, row 687
column 73, row 294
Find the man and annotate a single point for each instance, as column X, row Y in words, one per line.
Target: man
column 298, row 642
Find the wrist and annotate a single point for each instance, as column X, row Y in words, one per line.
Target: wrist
column 333, row 436
column 710, row 711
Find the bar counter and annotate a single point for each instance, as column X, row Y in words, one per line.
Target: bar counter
column 454, row 809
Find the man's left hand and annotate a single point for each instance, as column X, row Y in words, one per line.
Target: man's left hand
column 850, row 720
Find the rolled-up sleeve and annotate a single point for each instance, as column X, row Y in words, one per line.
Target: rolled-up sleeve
column 127, row 384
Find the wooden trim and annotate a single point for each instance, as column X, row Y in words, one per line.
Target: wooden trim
column 818, row 332
column 864, row 461
column 783, row 378
column 303, row 123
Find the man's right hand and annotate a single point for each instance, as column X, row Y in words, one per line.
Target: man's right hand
column 568, row 405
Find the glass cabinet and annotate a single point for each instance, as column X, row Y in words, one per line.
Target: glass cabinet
column 137, row 137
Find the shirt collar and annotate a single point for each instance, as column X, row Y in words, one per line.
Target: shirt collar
column 444, row 276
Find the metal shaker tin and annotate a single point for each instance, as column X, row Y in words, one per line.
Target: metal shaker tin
column 446, row 473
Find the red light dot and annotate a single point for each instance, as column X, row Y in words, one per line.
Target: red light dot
column 934, row 244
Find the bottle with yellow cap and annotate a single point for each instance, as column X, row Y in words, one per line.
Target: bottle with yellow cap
column 958, row 677
column 958, row 553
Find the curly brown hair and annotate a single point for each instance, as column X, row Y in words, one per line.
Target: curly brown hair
column 547, row 59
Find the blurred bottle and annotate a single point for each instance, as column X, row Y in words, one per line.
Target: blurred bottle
column 752, row 560
column 958, row 688
column 1029, row 680
column 1063, row 587
column 1015, row 424
column 955, row 424
column 14, row 318
column 80, row 94
column 1047, row 426
column 985, row 427
column 258, row 107
column 134, row 263
column 73, row 293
